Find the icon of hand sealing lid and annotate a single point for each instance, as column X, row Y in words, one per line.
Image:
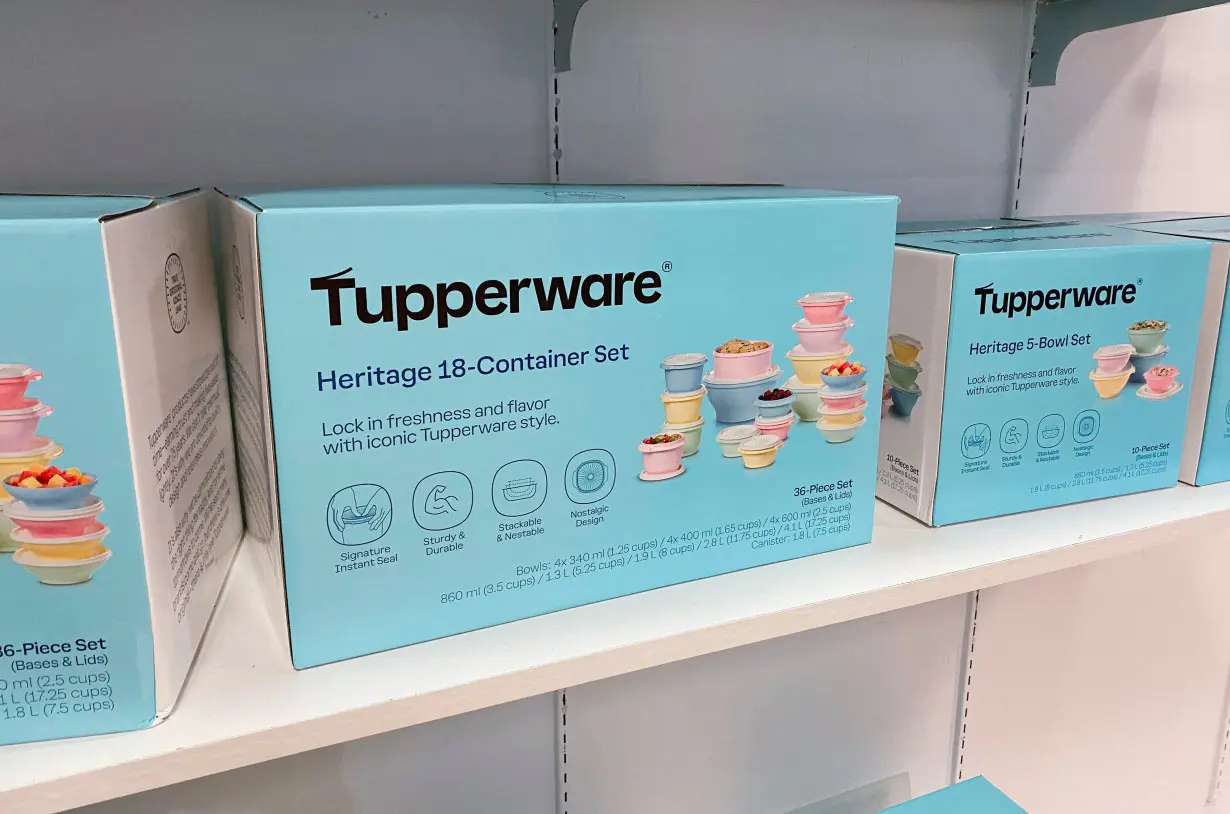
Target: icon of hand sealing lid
column 363, row 509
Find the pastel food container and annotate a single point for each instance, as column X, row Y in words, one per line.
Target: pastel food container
column 1161, row 378
column 734, row 402
column 885, row 406
column 684, row 371
column 65, row 523
column 904, row 399
column 822, row 338
column 53, row 498
column 690, row 433
column 806, row 399
column 683, row 408
column 834, row 399
column 661, row 460
column 825, row 307
column 839, row 433
column 60, row 572
column 777, row 427
column 760, row 451
column 7, row 544
column 732, row 437
column 848, row 415
column 77, row 547
column 850, row 381
column 1141, row 363
column 1146, row 336
column 774, row 408
column 1109, row 385
column 19, row 424
column 39, row 452
column 808, row 366
column 905, row 348
column 740, row 366
column 902, row 374
column 1113, row 358
column 13, row 382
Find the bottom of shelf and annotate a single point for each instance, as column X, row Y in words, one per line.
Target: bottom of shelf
column 244, row 704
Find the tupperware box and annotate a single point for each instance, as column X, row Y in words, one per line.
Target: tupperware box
column 464, row 406
column 974, row 796
column 1036, row 365
column 112, row 372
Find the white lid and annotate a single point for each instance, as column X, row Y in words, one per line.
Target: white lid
column 825, row 296
column 1160, row 350
column 788, row 418
column 801, row 353
column 827, row 392
column 1097, row 374
column 847, row 411
column 14, row 371
column 1113, row 350
column 31, row 407
column 759, row 443
column 681, row 396
column 795, row 386
column 913, row 388
column 24, row 536
column 39, row 446
column 740, row 432
column 774, row 372
column 905, row 339
column 681, row 427
column 824, row 425
column 24, row 557
column 810, row 327
column 685, row 359
column 20, row 511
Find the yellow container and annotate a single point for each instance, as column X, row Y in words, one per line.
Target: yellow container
column 760, row 451
column 683, row 408
column 808, row 366
column 843, row 418
column 905, row 348
column 1110, row 386
column 7, row 544
column 14, row 464
column 66, row 551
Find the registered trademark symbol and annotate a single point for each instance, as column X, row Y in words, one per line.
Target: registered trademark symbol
column 667, row 266
column 1140, row 280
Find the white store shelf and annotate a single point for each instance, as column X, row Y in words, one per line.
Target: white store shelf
column 244, row 704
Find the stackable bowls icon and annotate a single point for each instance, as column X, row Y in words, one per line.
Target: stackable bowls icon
column 40, row 452
column 731, row 438
column 1144, row 362
column 734, row 400
column 13, row 382
column 825, row 307
column 19, row 423
column 760, row 451
column 690, row 432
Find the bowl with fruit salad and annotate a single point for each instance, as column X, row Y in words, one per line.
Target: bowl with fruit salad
column 50, row 488
column 845, row 375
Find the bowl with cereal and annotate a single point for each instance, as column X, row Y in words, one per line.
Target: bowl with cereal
column 739, row 359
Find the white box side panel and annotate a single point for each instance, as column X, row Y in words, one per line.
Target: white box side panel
column 1202, row 376
column 1103, row 688
column 498, row 759
column 918, row 99
column 773, row 727
column 143, row 94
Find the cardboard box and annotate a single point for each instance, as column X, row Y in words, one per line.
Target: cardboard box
column 112, row 365
column 973, row 796
column 459, row 382
column 995, row 403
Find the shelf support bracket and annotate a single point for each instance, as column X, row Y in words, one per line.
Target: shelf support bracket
column 566, row 12
column 1059, row 22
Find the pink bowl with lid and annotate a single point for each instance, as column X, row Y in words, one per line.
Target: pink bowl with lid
column 825, row 307
column 13, row 382
column 828, row 338
column 19, row 424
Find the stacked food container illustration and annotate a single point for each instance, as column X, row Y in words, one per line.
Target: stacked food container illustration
column 48, row 515
column 828, row 388
column 901, row 391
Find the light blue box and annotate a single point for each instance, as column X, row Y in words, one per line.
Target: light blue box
column 452, row 455
column 995, row 403
column 973, row 796
column 111, row 362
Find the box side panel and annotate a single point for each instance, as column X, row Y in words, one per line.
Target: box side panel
column 248, row 370
column 89, row 626
column 1206, row 453
column 912, row 394
column 165, row 301
column 1028, row 423
column 484, row 463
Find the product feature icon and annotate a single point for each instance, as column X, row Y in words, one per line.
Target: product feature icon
column 976, row 441
column 1013, row 435
column 519, row 487
column 1050, row 431
column 359, row 514
column 443, row 500
column 1086, row 426
column 589, row 476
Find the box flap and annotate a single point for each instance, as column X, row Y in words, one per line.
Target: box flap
column 1205, row 228
column 1041, row 237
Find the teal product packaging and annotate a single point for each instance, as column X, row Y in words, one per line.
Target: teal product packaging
column 460, row 406
column 119, row 505
column 1036, row 366
column 974, row 796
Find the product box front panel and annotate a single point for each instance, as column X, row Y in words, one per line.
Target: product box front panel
column 973, row 796
column 462, row 395
column 1068, row 367
column 118, row 509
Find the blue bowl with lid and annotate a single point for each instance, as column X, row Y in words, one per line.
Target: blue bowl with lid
column 684, row 371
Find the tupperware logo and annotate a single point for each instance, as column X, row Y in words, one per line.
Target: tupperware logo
column 1027, row 302
column 448, row 302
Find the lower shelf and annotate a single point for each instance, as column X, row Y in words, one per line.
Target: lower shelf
column 244, row 704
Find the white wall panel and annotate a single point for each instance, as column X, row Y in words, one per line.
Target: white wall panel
column 773, row 727
column 131, row 94
column 1137, row 122
column 499, row 759
column 915, row 97
column 1103, row 688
